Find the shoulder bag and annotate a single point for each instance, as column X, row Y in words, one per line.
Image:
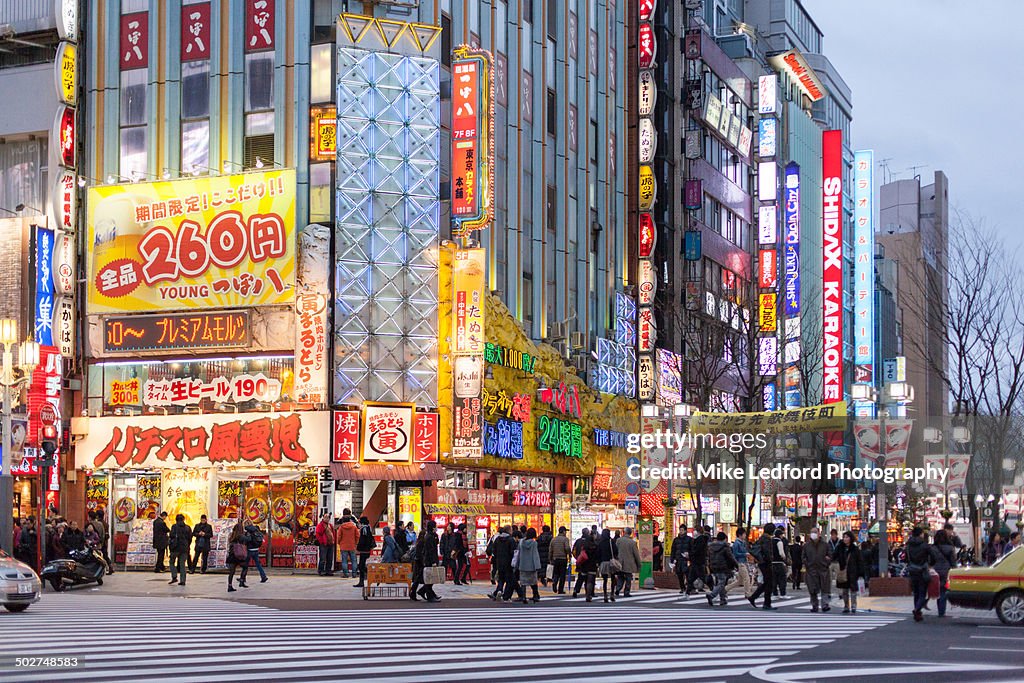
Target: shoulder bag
column 614, row 564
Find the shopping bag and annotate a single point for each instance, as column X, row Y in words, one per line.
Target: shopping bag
column 433, row 575
column 862, row 589
column 933, row 586
column 550, row 573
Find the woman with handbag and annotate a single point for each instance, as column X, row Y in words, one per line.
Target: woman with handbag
column 588, row 561
column 426, row 558
column 238, row 555
column 851, row 568
column 529, row 565
column 390, row 552
column 609, row 564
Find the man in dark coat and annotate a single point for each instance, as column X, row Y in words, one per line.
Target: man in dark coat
column 699, row 558
column 178, row 541
column 161, row 536
column 501, row 557
column 72, row 538
column 426, row 556
column 723, row 563
column 543, row 544
column 203, row 533
column 679, row 554
column 762, row 552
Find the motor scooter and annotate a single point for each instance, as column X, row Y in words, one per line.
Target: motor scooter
column 80, row 567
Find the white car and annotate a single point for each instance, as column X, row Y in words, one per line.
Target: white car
column 19, row 585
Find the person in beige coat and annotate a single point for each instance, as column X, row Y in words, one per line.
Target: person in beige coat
column 629, row 556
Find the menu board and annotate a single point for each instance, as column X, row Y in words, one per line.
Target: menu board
column 305, row 551
column 140, row 551
column 219, row 544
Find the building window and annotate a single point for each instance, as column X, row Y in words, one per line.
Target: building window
column 324, row 21
column 552, row 112
column 528, row 301
column 321, row 73
column 133, row 122
column 320, row 193
column 446, row 41
column 195, row 115
column 259, row 109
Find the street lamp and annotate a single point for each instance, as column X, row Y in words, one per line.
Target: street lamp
column 28, row 355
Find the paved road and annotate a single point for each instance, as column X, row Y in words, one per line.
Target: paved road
column 197, row 639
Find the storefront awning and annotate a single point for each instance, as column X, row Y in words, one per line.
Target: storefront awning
column 377, row 472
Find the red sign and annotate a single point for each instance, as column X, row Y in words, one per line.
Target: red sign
column 259, row 25
column 44, row 392
column 529, row 498
column 134, row 41
column 832, row 263
column 66, row 129
column 47, row 415
column 647, row 46
column 424, row 438
column 346, row 436
column 647, row 9
column 564, row 398
column 768, row 277
column 195, row 32
column 647, row 334
column 648, row 235
column 472, row 145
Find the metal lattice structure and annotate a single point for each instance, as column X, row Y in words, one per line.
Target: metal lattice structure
column 388, row 209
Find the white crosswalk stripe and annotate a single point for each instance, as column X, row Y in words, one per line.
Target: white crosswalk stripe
column 130, row 639
column 664, row 598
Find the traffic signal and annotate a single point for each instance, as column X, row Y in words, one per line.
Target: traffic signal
column 48, row 440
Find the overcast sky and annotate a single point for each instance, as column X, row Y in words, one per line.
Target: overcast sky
column 937, row 84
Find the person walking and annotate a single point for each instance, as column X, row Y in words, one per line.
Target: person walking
column 833, row 547
column 851, row 568
column 202, row 533
column 780, row 562
column 347, row 535
column 945, row 559
column 919, row 559
column 426, row 556
column 502, row 550
column 100, row 524
column 365, row 545
column 679, row 555
column 817, row 558
column 558, row 555
column 657, row 554
column 741, row 553
column 699, row 560
column 588, row 563
column 179, row 540
column 796, row 558
column 161, row 532
column 529, row 565
column 324, row 533
column 444, row 545
column 28, row 543
column 390, row 552
column 629, row 557
column 762, row 551
column 459, row 549
column 577, row 548
column 254, row 542
column 238, row 555
column 544, row 549
column 723, row 563
column 609, row 565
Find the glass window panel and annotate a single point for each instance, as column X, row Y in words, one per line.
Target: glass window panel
column 133, row 97
column 549, row 62
column 321, row 73
column 259, row 81
column 133, row 151
column 195, row 144
column 526, row 52
column 259, row 124
column 320, row 193
column 501, row 26
column 195, row 90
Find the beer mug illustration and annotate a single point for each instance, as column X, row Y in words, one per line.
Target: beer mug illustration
column 116, row 228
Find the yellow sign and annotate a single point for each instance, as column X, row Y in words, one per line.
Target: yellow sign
column 124, row 393
column 648, row 188
column 410, row 503
column 468, row 304
column 217, row 242
column 830, row 417
column 323, row 133
column 454, row 509
column 66, row 72
column 768, row 305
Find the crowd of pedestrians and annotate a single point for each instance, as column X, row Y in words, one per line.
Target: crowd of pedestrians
column 61, row 537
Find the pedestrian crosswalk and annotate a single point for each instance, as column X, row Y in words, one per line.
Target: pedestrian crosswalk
column 666, row 598
column 120, row 639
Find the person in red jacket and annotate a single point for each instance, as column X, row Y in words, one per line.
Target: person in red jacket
column 347, row 535
column 325, row 540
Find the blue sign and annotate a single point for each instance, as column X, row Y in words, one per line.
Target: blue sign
column 632, row 507
column 504, row 439
column 43, row 308
column 768, row 396
column 791, row 239
column 632, row 489
column 609, row 438
column 766, row 137
column 692, row 245
column 632, row 461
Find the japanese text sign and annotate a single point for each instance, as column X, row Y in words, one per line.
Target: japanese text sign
column 134, row 41
column 176, row 441
column 346, row 436
column 187, row 244
column 468, row 337
column 425, row 444
column 472, row 139
column 195, row 32
column 66, row 73
column 44, row 290
column 259, row 25
column 387, row 431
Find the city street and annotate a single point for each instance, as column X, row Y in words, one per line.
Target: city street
column 132, row 639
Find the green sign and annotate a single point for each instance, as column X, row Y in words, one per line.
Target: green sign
column 509, row 358
column 559, row 437
column 645, row 533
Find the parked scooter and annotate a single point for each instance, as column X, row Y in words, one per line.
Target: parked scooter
column 80, row 567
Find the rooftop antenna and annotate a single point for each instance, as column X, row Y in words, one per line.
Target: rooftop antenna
column 913, row 170
column 886, row 173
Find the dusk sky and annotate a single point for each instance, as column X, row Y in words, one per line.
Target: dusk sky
column 937, row 84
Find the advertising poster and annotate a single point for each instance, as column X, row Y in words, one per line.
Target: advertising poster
column 215, row 242
column 186, row 493
column 282, row 524
column 257, row 501
column 468, row 431
column 148, row 505
column 305, row 550
column 229, row 499
column 219, row 546
column 140, row 552
column 97, row 492
column 468, row 301
column 124, row 513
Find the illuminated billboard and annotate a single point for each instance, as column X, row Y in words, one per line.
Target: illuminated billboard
column 863, row 264
column 472, row 131
column 832, row 263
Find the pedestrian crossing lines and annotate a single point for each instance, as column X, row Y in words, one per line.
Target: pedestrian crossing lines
column 664, row 598
column 154, row 639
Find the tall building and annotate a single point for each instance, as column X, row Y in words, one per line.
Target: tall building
column 914, row 230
